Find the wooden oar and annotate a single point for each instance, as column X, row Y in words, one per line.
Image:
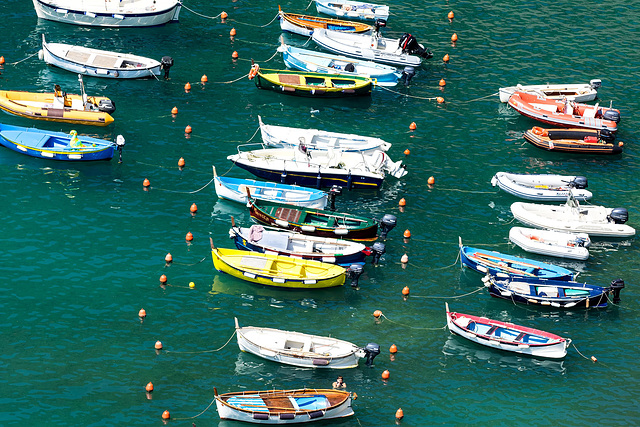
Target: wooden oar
column 502, row 267
column 483, row 256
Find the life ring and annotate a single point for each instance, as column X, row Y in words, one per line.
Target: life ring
column 539, row 131
column 254, row 71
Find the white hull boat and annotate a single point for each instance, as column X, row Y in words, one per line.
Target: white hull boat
column 99, row 63
column 109, row 13
column 572, row 92
column 575, row 218
column 551, row 243
column 314, row 139
column 371, row 47
column 353, row 9
column 542, row 187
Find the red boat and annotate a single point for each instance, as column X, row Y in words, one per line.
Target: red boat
column 586, row 141
column 565, row 113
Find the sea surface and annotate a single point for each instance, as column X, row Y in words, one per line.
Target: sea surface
column 83, row 245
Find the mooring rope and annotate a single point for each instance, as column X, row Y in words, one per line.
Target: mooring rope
column 478, row 99
column 257, row 26
column 453, row 297
column 199, row 14
column 412, row 327
column 408, row 96
column 185, row 192
column 30, row 56
column 196, row 416
column 204, row 351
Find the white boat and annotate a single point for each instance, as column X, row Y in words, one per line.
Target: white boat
column 314, row 139
column 573, row 92
column 353, row 9
column 109, row 13
column 575, row 218
column 235, row 189
column 373, row 47
column 99, row 63
column 551, row 243
column 299, row 349
column 507, row 336
column 542, row 187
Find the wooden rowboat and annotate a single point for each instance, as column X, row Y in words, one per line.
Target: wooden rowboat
column 353, row 9
column 283, row 406
column 507, row 336
column 586, row 141
column 306, row 24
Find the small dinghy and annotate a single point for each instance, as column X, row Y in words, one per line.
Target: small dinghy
column 326, row 63
column 283, row 406
column 353, row 9
column 100, row 13
column 280, row 242
column 586, row 141
column 490, row 262
column 314, row 139
column 552, row 243
column 566, row 114
column 573, row 92
column 575, row 218
column 507, row 336
column 402, row 52
column 304, row 25
column 307, row 84
column 303, row 350
column 542, row 187
column 235, row 189
column 552, row 293
column 102, row 63
column 57, row 145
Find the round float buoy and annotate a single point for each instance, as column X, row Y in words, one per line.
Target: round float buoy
column 404, row 259
column 158, row 345
column 234, row 55
column 168, row 258
column 454, row 38
column 1, row 60
column 181, row 162
column 166, row 415
column 431, row 180
column 189, row 236
column 142, row 313
column 407, row 152
column 442, row 83
column 450, row 15
column 192, row 285
column 149, row 387
column 402, row 202
column 377, row 314
column 440, row 100
column 224, row 15
column 232, row 32
column 146, row 183
column 446, row 58
column 407, row 234
column 163, row 279
column 204, row 78
column 193, row 208
column 188, row 129
column 187, row 87
column 399, row 414
column 385, row 374
column 393, row 348
column 174, row 111
column 413, row 126
column 405, row 291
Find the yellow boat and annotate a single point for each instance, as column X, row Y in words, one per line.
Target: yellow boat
column 277, row 270
column 58, row 107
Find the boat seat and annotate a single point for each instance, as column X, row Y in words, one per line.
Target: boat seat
column 291, row 79
column 590, row 113
column 287, row 214
column 275, row 240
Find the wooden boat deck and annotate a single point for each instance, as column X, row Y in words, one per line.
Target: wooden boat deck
column 287, row 214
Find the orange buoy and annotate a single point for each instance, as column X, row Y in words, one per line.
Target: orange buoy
column 181, row 162
column 620, row 144
column 385, row 374
column 399, row 414
column 189, row 236
column 187, row 129
column 158, row 345
column 377, row 314
column 168, row 258
column 402, row 202
column 234, row 55
column 407, row 152
column 405, row 259
column 393, row 348
column 232, row 32
column 440, row 100
column 163, row 279
column 204, row 78
column 431, row 180
column 445, row 58
column 142, row 313
column 451, row 16
column 407, row 234
column 187, row 87
column 454, row 37
column 405, row 291
column 146, row 183
column 1, row 60
column 193, row 208
column 166, row 415
column 593, row 358
column 413, row 126
column 149, row 387
column 442, row 83
column 174, row 110
column 224, row 15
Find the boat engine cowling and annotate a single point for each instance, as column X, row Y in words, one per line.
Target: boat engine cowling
column 595, row 84
column 354, row 272
column 107, row 106
column 387, row 224
column 334, row 192
column 407, row 75
column 379, row 23
column 618, row 215
column 371, row 350
column 617, row 286
column 410, row 45
column 607, row 136
column 378, row 248
column 612, row 115
column 165, row 64
column 579, row 182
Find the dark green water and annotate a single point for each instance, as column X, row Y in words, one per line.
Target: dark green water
column 83, row 245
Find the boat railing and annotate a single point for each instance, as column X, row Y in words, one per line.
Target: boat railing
column 251, row 146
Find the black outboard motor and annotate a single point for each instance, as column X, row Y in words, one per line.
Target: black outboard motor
column 371, row 350
column 607, row 136
column 350, row 67
column 410, row 45
column 618, row 215
column 614, row 116
column 378, row 249
column 107, row 106
column 616, row 286
column 334, row 192
column 165, row 64
column 579, row 182
column 407, row 75
column 379, row 23
column 120, row 146
column 354, row 272
column 387, row 224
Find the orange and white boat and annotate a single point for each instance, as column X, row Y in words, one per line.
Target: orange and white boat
column 578, row 140
column 565, row 113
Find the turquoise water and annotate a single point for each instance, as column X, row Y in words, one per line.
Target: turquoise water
column 83, row 245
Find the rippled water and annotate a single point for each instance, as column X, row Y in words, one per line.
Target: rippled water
column 83, row 245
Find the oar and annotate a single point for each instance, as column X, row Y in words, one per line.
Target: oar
column 503, row 267
column 525, row 264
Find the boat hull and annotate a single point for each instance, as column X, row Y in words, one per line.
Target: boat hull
column 304, row 25
column 573, row 92
column 537, row 137
column 353, row 9
column 551, row 243
column 332, row 86
column 541, row 187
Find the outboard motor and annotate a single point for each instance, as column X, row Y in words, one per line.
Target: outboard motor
column 354, row 272
column 407, row 75
column 595, row 84
column 350, row 67
column 165, row 64
column 579, row 182
column 614, row 116
column 618, row 215
column 120, row 146
column 107, row 106
column 410, row 45
column 616, row 286
column 379, row 23
column 581, row 242
column 334, row 192
column 607, row 136
column 387, row 224
column 371, row 350
column 378, row 249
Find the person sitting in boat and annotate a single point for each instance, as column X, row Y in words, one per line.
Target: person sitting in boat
column 75, row 142
column 339, row 383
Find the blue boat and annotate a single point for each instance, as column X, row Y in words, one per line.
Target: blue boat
column 490, row 262
column 552, row 293
column 57, row 145
column 319, row 62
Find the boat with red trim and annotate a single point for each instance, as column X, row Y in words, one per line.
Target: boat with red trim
column 574, row 140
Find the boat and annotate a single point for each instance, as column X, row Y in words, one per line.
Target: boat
column 59, row 106
column 353, row 9
column 507, row 336
column 111, row 13
column 574, row 140
column 314, row 85
column 314, row 139
column 99, row 63
column 276, row 270
column 317, row 222
column 581, row 92
column 575, row 218
column 283, row 406
column 552, row 243
column 552, row 293
column 304, row 25
column 565, row 113
column 303, row 350
column 542, row 187
column 490, row 262
column 402, row 52
column 57, row 145
column 319, row 62
column 235, row 189
column 317, row 168
column 277, row 241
